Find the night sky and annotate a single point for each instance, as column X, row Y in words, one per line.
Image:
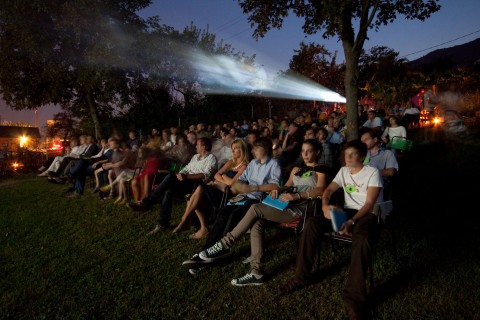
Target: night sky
column 456, row 23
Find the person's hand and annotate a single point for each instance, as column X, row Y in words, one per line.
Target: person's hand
column 346, row 228
column 240, row 187
column 285, row 197
column 181, row 176
column 274, row 194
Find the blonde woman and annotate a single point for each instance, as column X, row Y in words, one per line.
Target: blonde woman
column 213, row 191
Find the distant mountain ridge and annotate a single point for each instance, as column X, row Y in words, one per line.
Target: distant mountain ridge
column 462, row 55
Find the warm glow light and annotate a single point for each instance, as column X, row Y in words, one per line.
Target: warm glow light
column 436, row 120
column 23, row 141
column 56, row 147
column 15, row 166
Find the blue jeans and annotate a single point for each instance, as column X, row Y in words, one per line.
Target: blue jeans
column 78, row 173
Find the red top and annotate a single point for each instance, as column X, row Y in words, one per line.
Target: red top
column 151, row 167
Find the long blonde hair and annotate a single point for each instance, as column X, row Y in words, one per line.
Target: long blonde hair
column 243, row 149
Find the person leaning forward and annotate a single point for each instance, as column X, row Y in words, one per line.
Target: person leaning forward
column 202, row 166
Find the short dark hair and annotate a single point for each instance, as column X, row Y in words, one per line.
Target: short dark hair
column 358, row 145
column 225, row 130
column 255, row 132
column 206, row 142
column 181, row 136
column 264, row 143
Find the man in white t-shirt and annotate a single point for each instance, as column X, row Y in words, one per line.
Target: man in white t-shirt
column 362, row 188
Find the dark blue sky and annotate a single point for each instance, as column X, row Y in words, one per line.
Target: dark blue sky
column 456, row 19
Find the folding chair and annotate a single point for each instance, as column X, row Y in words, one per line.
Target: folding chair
column 400, row 143
column 296, row 226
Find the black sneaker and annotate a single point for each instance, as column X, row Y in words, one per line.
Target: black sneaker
column 194, row 261
column 248, row 280
column 195, row 271
column 214, row 252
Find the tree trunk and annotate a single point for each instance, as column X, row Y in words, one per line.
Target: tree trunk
column 93, row 114
column 351, row 89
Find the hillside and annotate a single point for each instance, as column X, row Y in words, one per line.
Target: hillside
column 456, row 56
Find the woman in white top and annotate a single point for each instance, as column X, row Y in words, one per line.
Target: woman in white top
column 394, row 130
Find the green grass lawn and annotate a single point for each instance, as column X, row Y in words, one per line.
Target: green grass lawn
column 91, row 259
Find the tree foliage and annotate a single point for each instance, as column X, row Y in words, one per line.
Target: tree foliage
column 383, row 75
column 315, row 62
column 64, row 125
column 348, row 20
column 81, row 54
column 100, row 61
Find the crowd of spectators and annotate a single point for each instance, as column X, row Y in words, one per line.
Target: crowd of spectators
column 294, row 159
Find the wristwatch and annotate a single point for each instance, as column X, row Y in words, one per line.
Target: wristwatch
column 353, row 221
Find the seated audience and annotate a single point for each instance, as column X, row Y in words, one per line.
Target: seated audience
column 362, row 186
column 54, row 165
column 262, row 175
column 150, row 161
column 394, row 130
column 133, row 141
column 201, row 167
column 309, row 181
column 327, row 155
column 373, row 122
column 377, row 157
column 212, row 192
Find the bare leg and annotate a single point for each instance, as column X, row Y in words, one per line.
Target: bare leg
column 136, row 188
column 110, row 180
column 146, row 186
column 203, row 230
column 97, row 181
column 192, row 205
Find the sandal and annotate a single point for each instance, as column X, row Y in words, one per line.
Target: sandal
column 120, row 201
column 105, row 188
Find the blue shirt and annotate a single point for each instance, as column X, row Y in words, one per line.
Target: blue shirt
column 258, row 174
column 383, row 159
